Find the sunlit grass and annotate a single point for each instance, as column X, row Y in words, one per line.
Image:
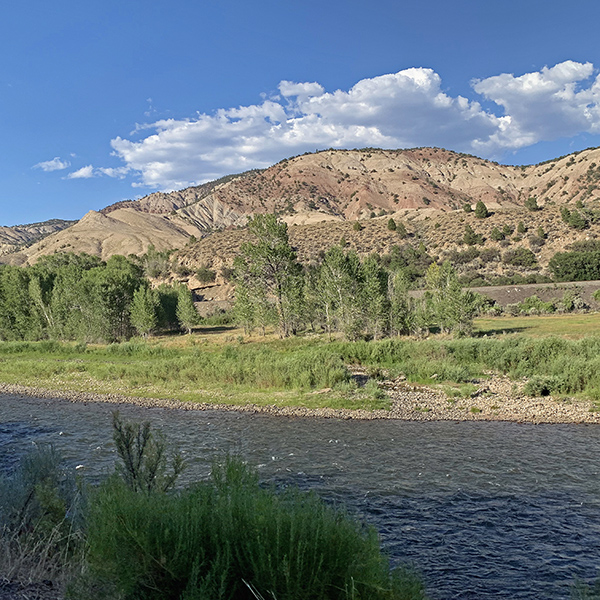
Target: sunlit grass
column 224, row 367
column 572, row 326
column 276, row 373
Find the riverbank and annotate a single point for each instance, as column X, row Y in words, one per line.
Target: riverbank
column 497, row 398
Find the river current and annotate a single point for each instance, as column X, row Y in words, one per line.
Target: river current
column 485, row 511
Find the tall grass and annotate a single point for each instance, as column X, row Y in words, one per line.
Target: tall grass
column 567, row 366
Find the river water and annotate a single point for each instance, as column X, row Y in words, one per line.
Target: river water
column 484, row 510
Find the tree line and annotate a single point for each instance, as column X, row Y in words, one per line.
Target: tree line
column 80, row 297
column 362, row 298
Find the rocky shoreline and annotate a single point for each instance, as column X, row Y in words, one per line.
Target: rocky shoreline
column 495, row 399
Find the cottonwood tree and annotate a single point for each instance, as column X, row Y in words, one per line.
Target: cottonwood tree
column 375, row 296
column 338, row 288
column 144, row 309
column 268, row 268
column 187, row 315
column 450, row 307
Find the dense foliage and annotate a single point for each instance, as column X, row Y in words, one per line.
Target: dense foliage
column 79, row 297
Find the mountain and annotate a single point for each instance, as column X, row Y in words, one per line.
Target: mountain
column 18, row 236
column 333, row 185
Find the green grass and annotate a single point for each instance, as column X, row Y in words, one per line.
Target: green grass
column 572, row 326
column 273, row 373
column 312, row 372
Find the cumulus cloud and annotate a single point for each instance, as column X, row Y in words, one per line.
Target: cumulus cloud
column 404, row 109
column 86, row 172
column 56, row 164
column 545, row 105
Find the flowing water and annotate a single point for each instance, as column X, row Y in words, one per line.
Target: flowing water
column 484, row 510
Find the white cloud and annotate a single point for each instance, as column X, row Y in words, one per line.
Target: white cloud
column 83, row 173
column 89, row 171
column 115, row 172
column 408, row 108
column 56, row 164
column 300, row 90
column 544, row 105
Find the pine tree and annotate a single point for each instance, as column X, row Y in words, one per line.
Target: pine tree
column 481, row 211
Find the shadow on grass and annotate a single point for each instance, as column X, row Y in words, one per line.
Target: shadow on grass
column 214, row 329
column 499, row 331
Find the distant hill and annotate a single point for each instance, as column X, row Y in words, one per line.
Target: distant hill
column 418, row 185
column 19, row 236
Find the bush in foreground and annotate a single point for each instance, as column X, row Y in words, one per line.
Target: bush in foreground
column 230, row 538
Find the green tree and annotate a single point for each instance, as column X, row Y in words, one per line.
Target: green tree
column 451, row 308
column 496, row 234
column 270, row 263
column 401, row 230
column 401, row 309
column 531, row 204
column 338, row 290
column 470, row 237
column 507, row 230
column 374, row 296
column 18, row 317
column 144, row 310
column 521, row 229
column 481, row 211
column 391, row 225
column 187, row 315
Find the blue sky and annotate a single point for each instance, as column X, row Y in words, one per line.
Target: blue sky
column 102, row 101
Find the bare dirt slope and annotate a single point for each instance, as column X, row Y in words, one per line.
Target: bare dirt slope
column 123, row 231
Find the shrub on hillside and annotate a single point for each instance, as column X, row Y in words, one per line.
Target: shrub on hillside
column 519, row 257
column 481, row 211
column 575, row 266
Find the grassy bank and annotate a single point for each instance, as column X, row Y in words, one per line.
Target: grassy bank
column 281, row 373
column 309, row 372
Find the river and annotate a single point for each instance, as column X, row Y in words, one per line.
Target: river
column 484, row 510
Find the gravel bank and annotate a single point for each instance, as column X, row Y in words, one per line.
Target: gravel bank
column 495, row 399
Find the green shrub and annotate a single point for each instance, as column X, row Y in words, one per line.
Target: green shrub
column 205, row 275
column 470, row 237
column 40, row 519
column 519, row 257
column 231, row 538
column 541, row 386
column 481, row 211
column 531, row 204
column 496, row 235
